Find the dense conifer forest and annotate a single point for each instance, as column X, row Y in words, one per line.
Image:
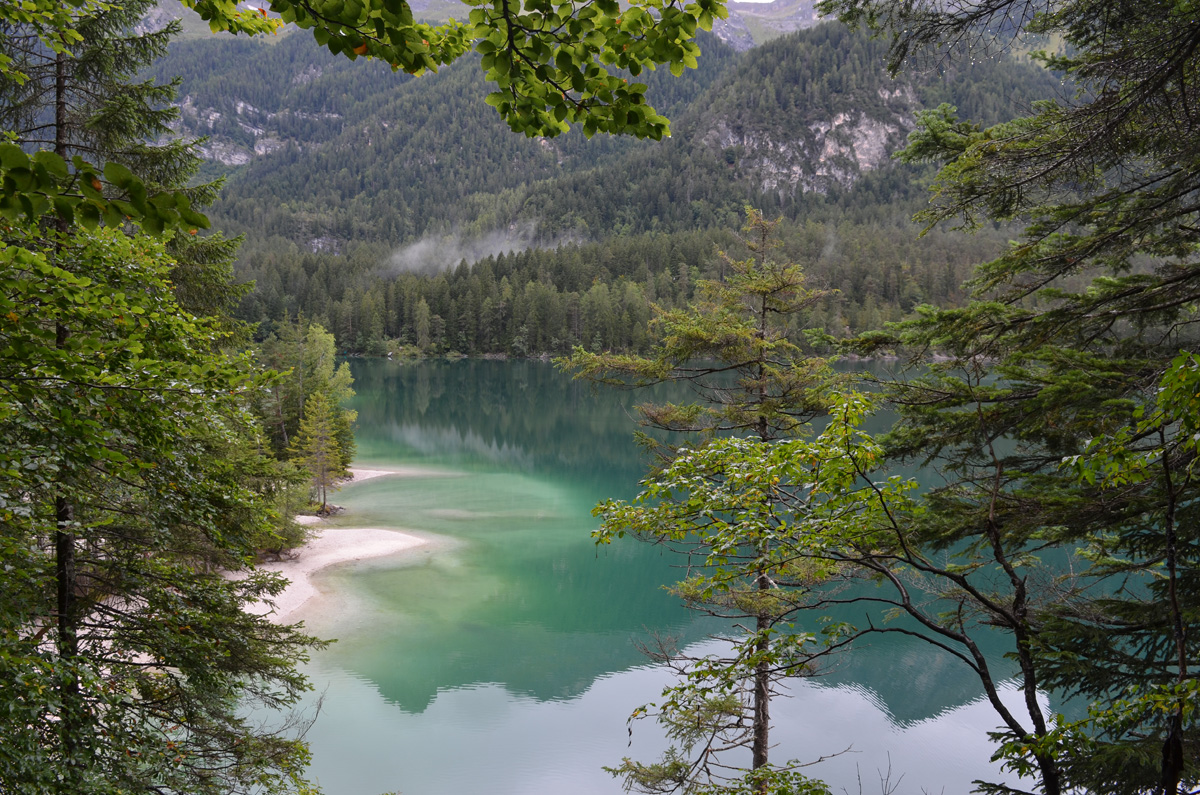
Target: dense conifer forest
column 399, row 212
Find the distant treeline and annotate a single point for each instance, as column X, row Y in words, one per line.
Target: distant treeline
column 599, row 295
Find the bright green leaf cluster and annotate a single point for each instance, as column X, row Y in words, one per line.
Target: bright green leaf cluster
column 52, row 20
column 766, row 526
column 42, row 184
column 554, row 62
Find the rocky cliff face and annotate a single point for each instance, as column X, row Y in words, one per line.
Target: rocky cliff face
column 767, row 20
column 733, row 31
column 826, row 152
column 236, row 135
column 752, row 23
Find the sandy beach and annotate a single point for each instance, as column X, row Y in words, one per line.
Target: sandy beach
column 359, row 474
column 332, row 546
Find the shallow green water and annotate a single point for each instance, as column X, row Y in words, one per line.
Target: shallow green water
column 504, row 659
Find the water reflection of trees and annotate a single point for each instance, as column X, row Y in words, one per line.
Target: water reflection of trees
column 539, row 418
column 556, row 618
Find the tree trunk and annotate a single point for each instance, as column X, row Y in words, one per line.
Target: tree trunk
column 65, row 575
column 762, row 622
column 762, row 691
column 1172, row 751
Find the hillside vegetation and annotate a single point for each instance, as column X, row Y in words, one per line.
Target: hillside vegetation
column 356, row 188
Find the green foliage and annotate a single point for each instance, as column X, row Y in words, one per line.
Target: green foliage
column 102, row 114
column 306, row 356
column 550, row 61
column 730, row 504
column 1072, row 355
column 735, row 346
column 316, row 446
column 769, row 529
column 82, row 107
column 1124, row 457
column 126, row 680
column 133, row 478
column 32, row 187
column 53, row 23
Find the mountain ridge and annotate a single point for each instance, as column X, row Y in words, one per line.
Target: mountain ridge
column 330, row 152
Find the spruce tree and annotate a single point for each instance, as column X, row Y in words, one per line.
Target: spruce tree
column 305, row 353
column 132, row 474
column 317, row 449
column 737, row 347
column 89, row 102
column 129, row 657
column 1074, row 339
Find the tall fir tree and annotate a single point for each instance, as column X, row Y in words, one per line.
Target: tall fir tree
column 132, row 473
column 1075, row 335
column 316, row 447
column 737, row 346
column 89, row 102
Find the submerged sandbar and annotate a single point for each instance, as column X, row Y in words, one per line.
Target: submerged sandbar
column 333, row 546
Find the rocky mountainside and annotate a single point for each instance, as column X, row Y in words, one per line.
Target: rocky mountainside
column 760, row 22
column 326, row 152
column 831, row 150
column 810, row 113
column 806, row 121
column 338, row 148
column 815, row 111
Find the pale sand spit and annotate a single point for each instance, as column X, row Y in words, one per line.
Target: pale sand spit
column 366, row 473
column 330, row 546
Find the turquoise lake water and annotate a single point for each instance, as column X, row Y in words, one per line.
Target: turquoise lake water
column 503, row 658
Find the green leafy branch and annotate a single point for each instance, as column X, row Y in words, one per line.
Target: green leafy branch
column 34, row 186
column 551, row 60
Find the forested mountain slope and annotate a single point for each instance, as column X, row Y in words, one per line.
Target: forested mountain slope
column 333, row 153
column 806, row 123
column 327, row 152
column 349, row 182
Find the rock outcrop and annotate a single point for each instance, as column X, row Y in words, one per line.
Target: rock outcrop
column 826, row 152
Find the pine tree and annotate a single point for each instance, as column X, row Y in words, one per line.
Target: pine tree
column 89, row 102
column 317, row 448
column 305, row 353
column 736, row 347
column 132, row 472
column 129, row 657
column 1074, row 335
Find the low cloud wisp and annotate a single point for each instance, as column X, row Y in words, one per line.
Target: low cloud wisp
column 435, row 253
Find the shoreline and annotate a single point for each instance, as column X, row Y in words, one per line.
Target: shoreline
column 360, row 474
column 334, row 546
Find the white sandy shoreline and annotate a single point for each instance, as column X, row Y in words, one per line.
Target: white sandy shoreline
column 333, row 546
column 359, row 474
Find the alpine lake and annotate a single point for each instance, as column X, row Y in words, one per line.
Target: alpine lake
column 503, row 657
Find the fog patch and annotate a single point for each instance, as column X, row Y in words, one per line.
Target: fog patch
column 831, row 243
column 436, row 253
